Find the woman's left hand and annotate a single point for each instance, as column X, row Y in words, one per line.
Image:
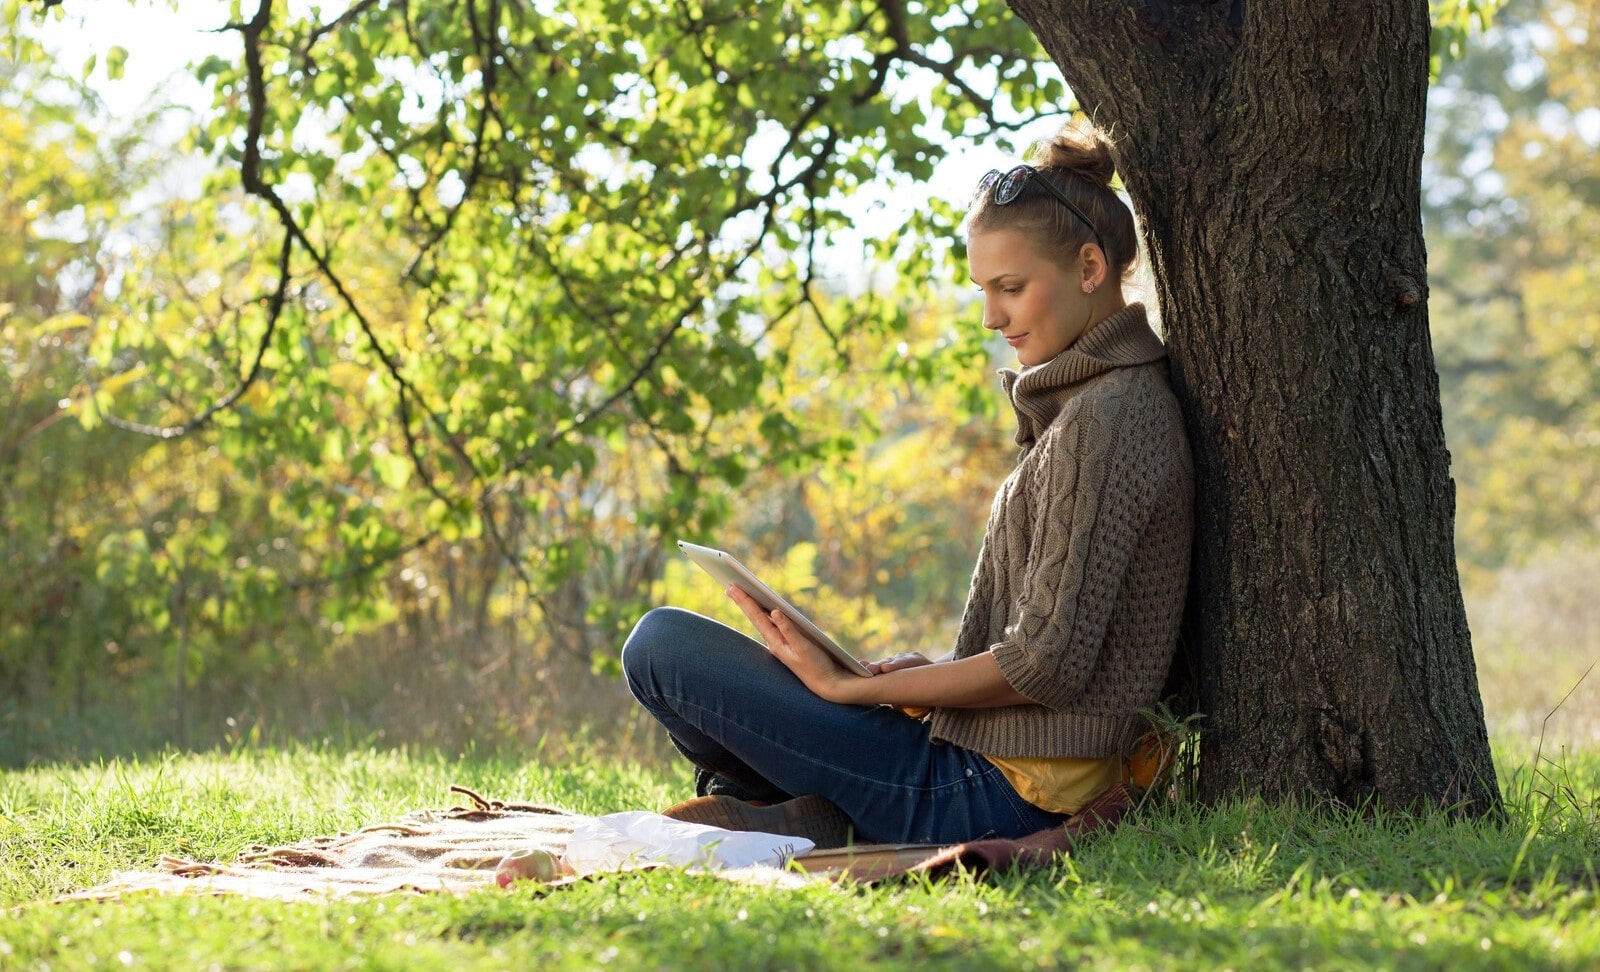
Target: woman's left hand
column 787, row 643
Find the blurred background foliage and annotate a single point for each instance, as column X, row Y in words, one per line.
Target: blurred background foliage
column 1512, row 196
column 371, row 404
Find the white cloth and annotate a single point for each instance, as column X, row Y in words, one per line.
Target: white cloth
column 638, row 837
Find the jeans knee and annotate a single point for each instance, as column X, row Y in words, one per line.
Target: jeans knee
column 653, row 636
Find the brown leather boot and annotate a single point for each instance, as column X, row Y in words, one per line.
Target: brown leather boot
column 813, row 817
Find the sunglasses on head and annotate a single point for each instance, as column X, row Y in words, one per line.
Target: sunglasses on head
column 1007, row 187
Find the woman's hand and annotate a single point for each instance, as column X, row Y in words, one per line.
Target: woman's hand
column 787, row 643
column 906, row 680
column 906, row 659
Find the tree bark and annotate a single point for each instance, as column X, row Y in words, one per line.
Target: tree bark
column 1273, row 156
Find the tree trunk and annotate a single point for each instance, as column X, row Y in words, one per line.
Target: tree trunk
column 1273, row 156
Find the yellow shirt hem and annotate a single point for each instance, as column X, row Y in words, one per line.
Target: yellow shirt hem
column 1059, row 784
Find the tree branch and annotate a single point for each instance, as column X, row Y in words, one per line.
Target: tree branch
column 363, row 568
column 274, row 312
column 324, row 30
column 488, row 56
column 254, row 184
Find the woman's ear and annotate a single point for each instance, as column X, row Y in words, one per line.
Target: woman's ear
column 1094, row 267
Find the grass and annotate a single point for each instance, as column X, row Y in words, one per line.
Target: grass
column 1240, row 886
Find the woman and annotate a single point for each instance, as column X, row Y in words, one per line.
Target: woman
column 1073, row 613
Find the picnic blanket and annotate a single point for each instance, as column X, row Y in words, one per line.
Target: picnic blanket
column 456, row 851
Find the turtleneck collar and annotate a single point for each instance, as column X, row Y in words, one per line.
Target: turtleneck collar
column 1038, row 392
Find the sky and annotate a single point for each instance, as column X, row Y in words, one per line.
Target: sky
column 160, row 41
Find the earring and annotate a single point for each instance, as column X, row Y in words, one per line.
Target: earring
column 1088, row 288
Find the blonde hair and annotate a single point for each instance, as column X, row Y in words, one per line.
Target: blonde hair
column 1077, row 161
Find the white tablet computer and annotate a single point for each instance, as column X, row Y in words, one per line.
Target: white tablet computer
column 730, row 573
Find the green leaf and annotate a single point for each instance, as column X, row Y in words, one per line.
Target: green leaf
column 116, row 58
column 393, row 470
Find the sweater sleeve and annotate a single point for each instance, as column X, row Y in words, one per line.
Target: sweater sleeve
column 1092, row 499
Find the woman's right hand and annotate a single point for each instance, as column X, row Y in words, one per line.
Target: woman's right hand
column 906, row 659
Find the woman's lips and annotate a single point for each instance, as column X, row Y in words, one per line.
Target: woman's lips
column 1015, row 339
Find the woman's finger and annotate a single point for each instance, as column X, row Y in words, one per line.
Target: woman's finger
column 769, row 632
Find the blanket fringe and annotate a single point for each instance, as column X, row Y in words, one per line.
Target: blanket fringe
column 475, row 798
column 487, row 809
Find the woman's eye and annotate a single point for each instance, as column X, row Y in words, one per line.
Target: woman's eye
column 1011, row 290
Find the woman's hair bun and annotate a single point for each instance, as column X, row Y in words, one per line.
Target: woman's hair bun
column 1078, row 149
column 1077, row 165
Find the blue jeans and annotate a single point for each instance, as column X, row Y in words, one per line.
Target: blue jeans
column 737, row 712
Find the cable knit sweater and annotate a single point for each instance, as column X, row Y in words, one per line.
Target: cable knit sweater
column 1080, row 584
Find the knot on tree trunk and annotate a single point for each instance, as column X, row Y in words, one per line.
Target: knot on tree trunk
column 1408, row 289
column 1341, row 749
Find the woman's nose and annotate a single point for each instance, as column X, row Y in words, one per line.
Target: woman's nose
column 993, row 319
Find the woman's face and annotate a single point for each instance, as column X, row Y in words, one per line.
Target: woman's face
column 1038, row 305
